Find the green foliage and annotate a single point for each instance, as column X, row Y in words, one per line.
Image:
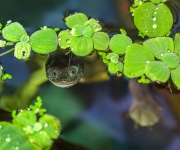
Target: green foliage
column 30, row 131
column 44, row 41
column 84, row 36
column 156, row 59
column 153, row 20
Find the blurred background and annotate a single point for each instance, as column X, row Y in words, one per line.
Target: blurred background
column 93, row 115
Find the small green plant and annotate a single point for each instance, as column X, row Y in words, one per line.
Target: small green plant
column 31, row 129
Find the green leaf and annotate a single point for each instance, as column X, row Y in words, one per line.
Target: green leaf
column 25, row 118
column 159, row 46
column 136, row 58
column 153, row 20
column 171, row 60
column 156, row 1
column 93, row 24
column 114, row 68
column 157, row 71
column 177, row 44
column 123, row 31
column 2, row 43
column 100, row 40
column 13, row 137
column 22, row 50
column 77, row 18
column 51, row 125
column 41, row 139
column 88, row 32
column 144, row 80
column 6, row 76
column 81, row 46
column 13, row 32
column 113, row 57
column 175, row 76
column 64, row 39
column 77, row 30
column 44, row 41
column 119, row 43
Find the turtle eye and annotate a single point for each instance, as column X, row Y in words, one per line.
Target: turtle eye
column 53, row 73
column 73, row 71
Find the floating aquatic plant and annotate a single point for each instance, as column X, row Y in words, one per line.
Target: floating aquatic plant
column 30, row 129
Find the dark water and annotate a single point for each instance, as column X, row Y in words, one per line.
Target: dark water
column 92, row 115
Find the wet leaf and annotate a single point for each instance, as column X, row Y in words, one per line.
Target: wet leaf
column 13, row 32
column 119, row 43
column 44, row 41
column 13, row 137
column 159, row 46
column 51, row 125
column 136, row 58
column 100, row 40
column 81, row 46
column 157, row 71
column 64, row 39
column 77, row 18
column 153, row 19
column 171, row 60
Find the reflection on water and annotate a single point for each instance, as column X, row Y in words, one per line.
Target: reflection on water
column 93, row 114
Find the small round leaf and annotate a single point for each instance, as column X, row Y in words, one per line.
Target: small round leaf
column 153, row 19
column 159, row 46
column 64, row 39
column 93, row 24
column 13, row 32
column 88, row 32
column 77, row 18
column 100, row 40
column 81, row 46
column 77, row 30
column 119, row 43
column 114, row 68
column 157, row 71
column 177, row 44
column 171, row 60
column 136, row 58
column 22, row 50
column 44, row 41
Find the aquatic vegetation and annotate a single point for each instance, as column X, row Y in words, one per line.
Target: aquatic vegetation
column 153, row 59
column 28, row 127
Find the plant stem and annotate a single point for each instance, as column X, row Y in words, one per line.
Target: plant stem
column 6, row 52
